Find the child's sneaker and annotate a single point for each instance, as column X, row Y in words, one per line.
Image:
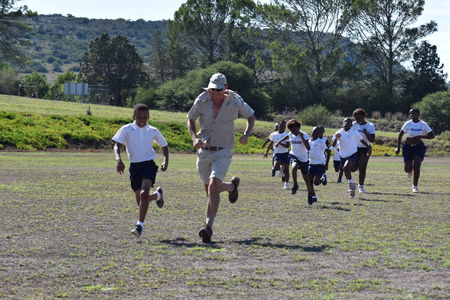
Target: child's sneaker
column 160, row 202
column 286, row 186
column 137, row 231
column 339, row 181
column 351, row 189
column 294, row 189
column 415, row 189
column 324, row 179
column 234, row 194
column 361, row 189
column 273, row 172
column 312, row 199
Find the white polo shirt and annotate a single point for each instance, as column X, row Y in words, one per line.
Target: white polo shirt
column 348, row 142
column 360, row 128
column 414, row 129
column 139, row 141
column 298, row 148
column 317, row 151
column 275, row 137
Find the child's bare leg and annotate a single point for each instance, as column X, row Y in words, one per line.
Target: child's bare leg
column 286, row 172
column 309, row 185
column 347, row 169
column 408, row 166
column 416, row 167
column 294, row 173
column 145, row 198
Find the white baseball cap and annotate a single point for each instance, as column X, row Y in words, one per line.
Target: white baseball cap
column 217, row 81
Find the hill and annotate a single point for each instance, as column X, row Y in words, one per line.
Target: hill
column 57, row 43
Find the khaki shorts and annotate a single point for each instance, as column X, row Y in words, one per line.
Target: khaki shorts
column 213, row 164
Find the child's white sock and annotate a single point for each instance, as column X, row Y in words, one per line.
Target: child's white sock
column 158, row 195
column 209, row 221
column 140, row 223
column 350, row 181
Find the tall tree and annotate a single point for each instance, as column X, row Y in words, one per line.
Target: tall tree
column 12, row 28
column 428, row 76
column 310, row 54
column 384, row 29
column 159, row 58
column 206, row 25
column 114, row 63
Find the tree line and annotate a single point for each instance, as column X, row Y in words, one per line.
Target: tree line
column 291, row 54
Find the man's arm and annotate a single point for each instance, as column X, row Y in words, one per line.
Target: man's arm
column 196, row 142
column 120, row 167
column 248, row 130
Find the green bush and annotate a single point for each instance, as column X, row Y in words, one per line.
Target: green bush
column 435, row 110
column 316, row 115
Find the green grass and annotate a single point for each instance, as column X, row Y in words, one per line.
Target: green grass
column 66, row 218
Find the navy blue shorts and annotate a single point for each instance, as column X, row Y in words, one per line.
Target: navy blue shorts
column 363, row 150
column 141, row 170
column 316, row 170
column 337, row 165
column 352, row 158
column 302, row 165
column 411, row 151
column 282, row 157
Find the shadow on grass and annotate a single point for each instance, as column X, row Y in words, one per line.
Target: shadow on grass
column 182, row 242
column 379, row 200
column 259, row 242
column 390, row 194
column 351, row 203
column 333, row 207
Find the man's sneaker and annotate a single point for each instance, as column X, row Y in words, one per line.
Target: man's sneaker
column 160, row 202
column 312, row 199
column 273, row 172
column 294, row 189
column 233, row 195
column 286, row 185
column 361, row 189
column 137, row 231
column 415, row 189
column 351, row 189
column 206, row 233
column 324, row 179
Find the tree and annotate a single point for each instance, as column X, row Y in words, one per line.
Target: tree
column 12, row 29
column 383, row 27
column 206, row 25
column 435, row 109
column 428, row 76
column 310, row 54
column 35, row 85
column 114, row 63
column 57, row 89
column 159, row 58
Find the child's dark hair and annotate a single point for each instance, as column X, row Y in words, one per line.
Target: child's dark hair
column 359, row 111
column 414, row 110
column 139, row 107
column 294, row 123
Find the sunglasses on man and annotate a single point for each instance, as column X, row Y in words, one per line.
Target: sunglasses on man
column 216, row 90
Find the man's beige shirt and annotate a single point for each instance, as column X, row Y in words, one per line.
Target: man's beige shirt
column 219, row 131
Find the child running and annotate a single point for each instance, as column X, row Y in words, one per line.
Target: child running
column 328, row 151
column 318, row 163
column 299, row 156
column 348, row 148
column 414, row 149
column 269, row 139
column 138, row 138
column 281, row 153
column 337, row 163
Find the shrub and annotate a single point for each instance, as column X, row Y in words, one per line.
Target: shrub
column 435, row 110
column 315, row 115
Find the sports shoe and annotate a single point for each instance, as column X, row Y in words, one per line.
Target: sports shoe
column 415, row 189
column 324, row 179
column 351, row 189
column 137, row 231
column 286, row 186
column 339, row 181
column 160, row 202
column 312, row 199
column 234, row 194
column 206, row 233
column 361, row 189
column 294, row 189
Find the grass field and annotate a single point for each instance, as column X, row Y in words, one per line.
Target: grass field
column 65, row 222
column 48, row 107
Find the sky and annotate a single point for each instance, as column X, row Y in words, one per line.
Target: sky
column 155, row 10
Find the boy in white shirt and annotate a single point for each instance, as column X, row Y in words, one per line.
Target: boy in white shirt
column 337, row 163
column 318, row 162
column 138, row 138
column 298, row 155
column 281, row 153
column 367, row 130
column 348, row 149
column 414, row 149
column 269, row 139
